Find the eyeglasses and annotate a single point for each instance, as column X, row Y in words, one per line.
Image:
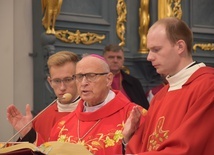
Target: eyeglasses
column 65, row 81
column 90, row 77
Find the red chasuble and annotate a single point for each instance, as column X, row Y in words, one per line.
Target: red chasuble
column 45, row 121
column 179, row 122
column 100, row 131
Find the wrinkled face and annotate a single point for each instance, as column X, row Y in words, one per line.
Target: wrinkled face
column 115, row 60
column 162, row 54
column 62, row 80
column 93, row 88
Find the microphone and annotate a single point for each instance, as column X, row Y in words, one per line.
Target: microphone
column 65, row 99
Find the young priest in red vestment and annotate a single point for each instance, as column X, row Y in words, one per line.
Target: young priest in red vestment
column 99, row 118
column 62, row 67
column 180, row 118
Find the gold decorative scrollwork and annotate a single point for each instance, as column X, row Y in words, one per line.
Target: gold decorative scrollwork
column 121, row 19
column 206, row 47
column 84, row 38
column 144, row 19
column 177, row 11
column 169, row 8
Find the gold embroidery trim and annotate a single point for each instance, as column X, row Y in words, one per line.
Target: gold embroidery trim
column 95, row 142
column 158, row 136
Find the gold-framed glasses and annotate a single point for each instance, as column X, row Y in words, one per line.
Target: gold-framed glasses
column 90, row 77
column 65, row 81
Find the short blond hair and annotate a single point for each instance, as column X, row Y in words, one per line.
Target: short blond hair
column 61, row 57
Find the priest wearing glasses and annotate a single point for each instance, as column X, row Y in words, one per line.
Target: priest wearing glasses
column 99, row 118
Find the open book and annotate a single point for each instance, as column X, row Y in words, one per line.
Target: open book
column 48, row 148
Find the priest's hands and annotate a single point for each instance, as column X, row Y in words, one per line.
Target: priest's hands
column 18, row 121
column 132, row 123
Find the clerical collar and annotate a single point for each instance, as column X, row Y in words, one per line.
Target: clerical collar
column 68, row 107
column 178, row 80
column 109, row 97
column 192, row 64
column 76, row 99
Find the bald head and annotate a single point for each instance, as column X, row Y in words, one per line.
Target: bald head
column 95, row 61
column 94, row 79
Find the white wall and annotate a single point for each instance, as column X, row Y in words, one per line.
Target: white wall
column 16, row 67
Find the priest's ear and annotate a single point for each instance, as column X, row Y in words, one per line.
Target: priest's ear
column 109, row 79
column 181, row 46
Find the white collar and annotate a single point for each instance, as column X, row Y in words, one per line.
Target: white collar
column 109, row 97
column 68, row 107
column 176, row 81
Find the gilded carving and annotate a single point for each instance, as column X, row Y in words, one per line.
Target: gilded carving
column 177, row 11
column 164, row 8
column 206, row 47
column 50, row 9
column 144, row 19
column 121, row 19
column 78, row 37
column 169, row 8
